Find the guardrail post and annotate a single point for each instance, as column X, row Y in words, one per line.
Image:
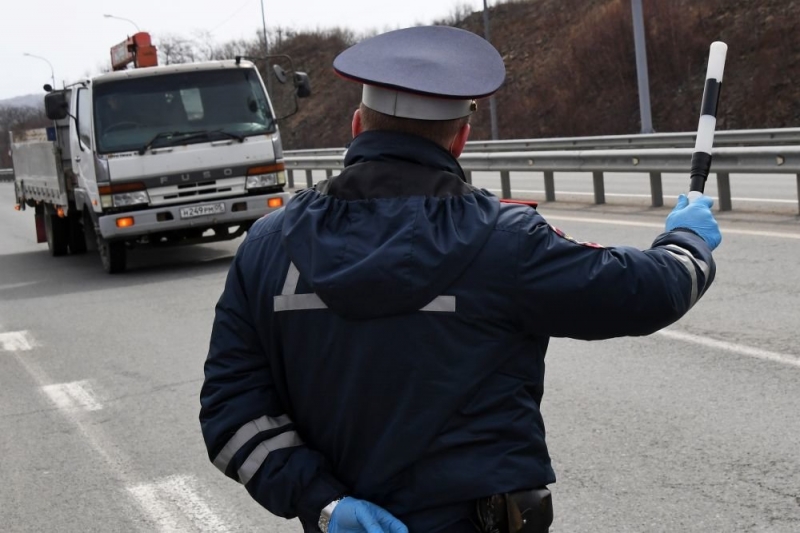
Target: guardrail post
column 505, row 183
column 599, row 188
column 549, row 186
column 656, row 189
column 328, row 173
column 724, row 189
column 309, row 179
column 798, row 193
column 468, row 176
column 290, row 178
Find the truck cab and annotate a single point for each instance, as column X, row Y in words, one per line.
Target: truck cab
column 163, row 155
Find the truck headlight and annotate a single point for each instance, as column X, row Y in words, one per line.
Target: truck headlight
column 262, row 180
column 126, row 199
column 123, row 194
column 266, row 176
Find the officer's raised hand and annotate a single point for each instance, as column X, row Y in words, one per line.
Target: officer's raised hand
column 697, row 217
column 358, row 516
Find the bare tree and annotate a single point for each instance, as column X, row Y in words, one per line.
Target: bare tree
column 174, row 49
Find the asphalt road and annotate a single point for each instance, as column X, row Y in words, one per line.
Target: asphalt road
column 695, row 429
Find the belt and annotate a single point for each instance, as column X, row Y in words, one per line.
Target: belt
column 526, row 511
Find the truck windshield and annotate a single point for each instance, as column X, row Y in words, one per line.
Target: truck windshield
column 129, row 113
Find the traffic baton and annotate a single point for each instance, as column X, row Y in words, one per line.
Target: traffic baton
column 701, row 158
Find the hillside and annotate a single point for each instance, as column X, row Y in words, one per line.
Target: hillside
column 28, row 100
column 571, row 69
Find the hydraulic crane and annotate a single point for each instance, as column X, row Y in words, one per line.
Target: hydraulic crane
column 137, row 49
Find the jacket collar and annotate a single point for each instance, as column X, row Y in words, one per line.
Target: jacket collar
column 389, row 146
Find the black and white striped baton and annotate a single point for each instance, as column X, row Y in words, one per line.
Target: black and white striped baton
column 701, row 158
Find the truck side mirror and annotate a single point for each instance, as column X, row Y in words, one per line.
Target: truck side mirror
column 56, row 106
column 302, row 84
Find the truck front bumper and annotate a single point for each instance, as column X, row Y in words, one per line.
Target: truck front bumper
column 168, row 218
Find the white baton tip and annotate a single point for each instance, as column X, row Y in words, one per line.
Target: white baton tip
column 716, row 60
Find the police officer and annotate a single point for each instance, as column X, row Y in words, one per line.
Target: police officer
column 377, row 357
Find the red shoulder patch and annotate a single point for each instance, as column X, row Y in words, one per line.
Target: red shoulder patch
column 529, row 203
column 570, row 239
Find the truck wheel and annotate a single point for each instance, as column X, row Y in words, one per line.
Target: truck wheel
column 77, row 239
column 112, row 254
column 57, row 230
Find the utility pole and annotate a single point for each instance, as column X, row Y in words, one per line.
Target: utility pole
column 492, row 101
column 641, row 66
column 264, row 26
column 267, row 76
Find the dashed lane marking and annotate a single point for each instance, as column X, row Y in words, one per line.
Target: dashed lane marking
column 173, row 504
column 16, row 341
column 75, row 395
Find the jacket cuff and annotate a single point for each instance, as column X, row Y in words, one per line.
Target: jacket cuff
column 322, row 491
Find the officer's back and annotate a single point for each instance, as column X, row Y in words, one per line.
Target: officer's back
column 382, row 339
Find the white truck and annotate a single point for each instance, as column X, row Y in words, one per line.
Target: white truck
column 158, row 155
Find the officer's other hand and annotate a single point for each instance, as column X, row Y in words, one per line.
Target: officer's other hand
column 359, row 516
column 696, row 216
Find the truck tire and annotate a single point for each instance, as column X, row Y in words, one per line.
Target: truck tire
column 77, row 238
column 113, row 255
column 57, row 230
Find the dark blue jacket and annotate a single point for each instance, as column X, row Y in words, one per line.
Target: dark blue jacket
column 384, row 336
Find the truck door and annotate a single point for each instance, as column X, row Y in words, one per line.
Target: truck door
column 82, row 145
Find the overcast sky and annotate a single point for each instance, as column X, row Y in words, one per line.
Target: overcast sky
column 75, row 37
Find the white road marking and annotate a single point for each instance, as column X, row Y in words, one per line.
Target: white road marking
column 619, row 222
column 75, row 395
column 16, row 341
column 174, row 505
column 639, row 195
column 757, row 353
column 17, row 285
column 121, row 467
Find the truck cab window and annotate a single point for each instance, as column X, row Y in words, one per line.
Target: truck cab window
column 84, row 118
column 130, row 112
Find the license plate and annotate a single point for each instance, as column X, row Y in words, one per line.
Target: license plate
column 202, row 210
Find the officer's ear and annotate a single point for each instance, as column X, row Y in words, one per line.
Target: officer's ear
column 460, row 140
column 357, row 126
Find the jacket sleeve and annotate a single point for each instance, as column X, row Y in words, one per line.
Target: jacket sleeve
column 566, row 288
column 249, row 435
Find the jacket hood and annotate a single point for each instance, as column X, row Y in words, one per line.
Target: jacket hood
column 392, row 232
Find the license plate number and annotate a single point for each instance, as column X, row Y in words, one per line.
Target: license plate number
column 202, row 210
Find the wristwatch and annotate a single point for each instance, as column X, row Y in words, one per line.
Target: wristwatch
column 325, row 515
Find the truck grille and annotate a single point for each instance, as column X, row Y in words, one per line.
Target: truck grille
column 199, row 191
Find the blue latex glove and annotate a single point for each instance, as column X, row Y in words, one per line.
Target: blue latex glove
column 696, row 216
column 359, row 516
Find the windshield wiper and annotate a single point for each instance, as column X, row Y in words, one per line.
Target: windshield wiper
column 230, row 135
column 171, row 137
column 166, row 135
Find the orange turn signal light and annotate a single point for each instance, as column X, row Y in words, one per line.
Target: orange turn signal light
column 266, row 169
column 16, row 207
column 60, row 212
column 116, row 188
column 275, row 202
column 125, row 222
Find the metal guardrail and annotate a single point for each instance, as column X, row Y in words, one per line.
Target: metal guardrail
column 751, row 159
column 6, row 174
column 766, row 137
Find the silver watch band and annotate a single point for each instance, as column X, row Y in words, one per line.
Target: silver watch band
column 325, row 515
